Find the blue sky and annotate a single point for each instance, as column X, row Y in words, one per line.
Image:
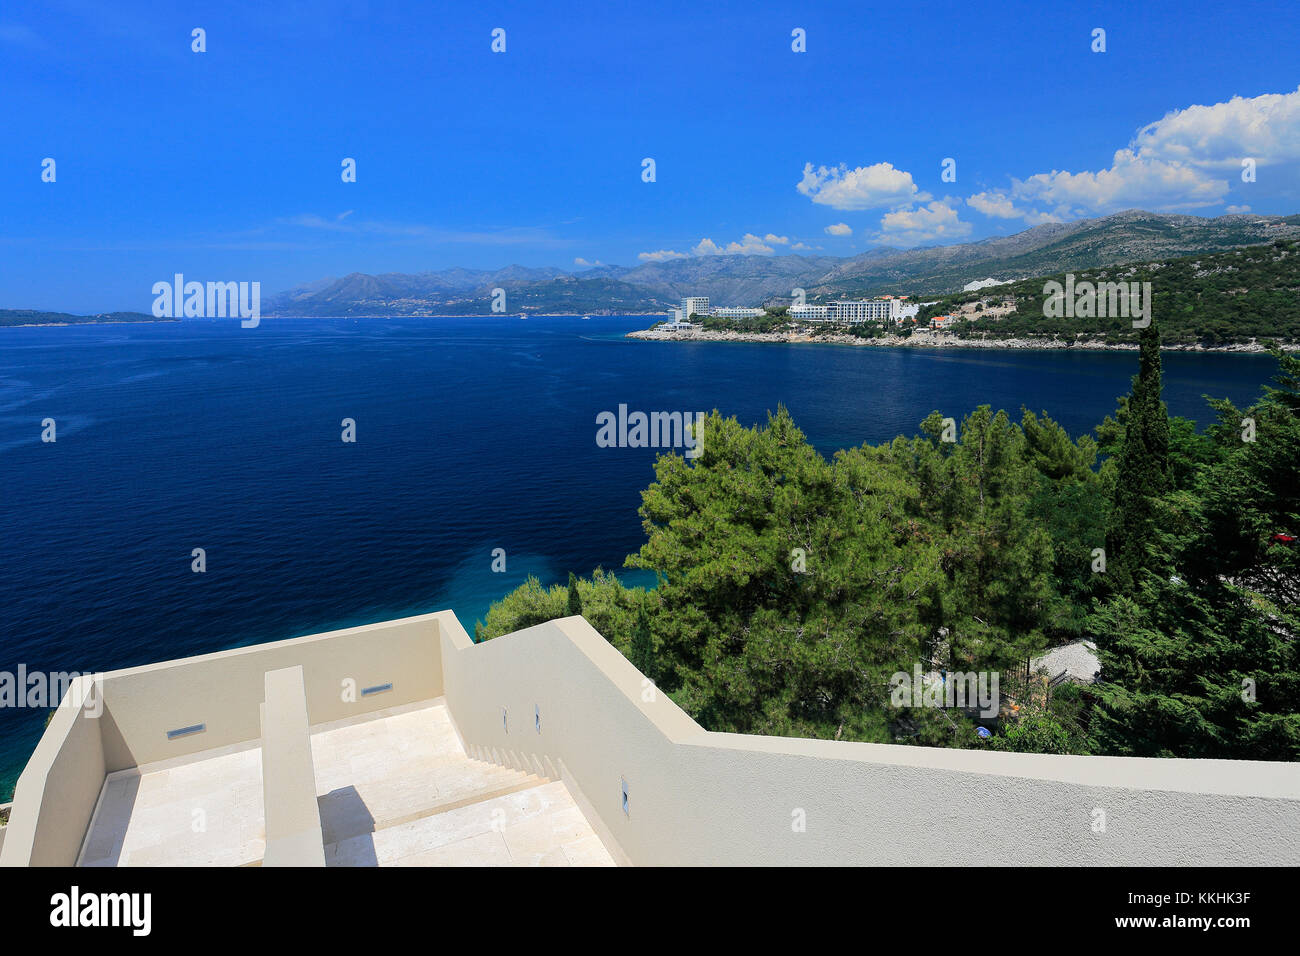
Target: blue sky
column 226, row 164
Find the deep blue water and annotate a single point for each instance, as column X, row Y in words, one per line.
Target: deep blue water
column 472, row 434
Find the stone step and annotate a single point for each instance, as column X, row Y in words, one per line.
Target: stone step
column 525, row 782
column 493, row 783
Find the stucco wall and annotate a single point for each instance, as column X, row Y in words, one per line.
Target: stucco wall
column 223, row 691
column 696, row 797
column 57, row 790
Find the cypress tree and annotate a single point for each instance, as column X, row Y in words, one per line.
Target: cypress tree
column 575, row 599
column 643, row 645
column 1143, row 474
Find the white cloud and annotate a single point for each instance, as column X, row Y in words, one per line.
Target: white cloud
column 994, row 204
column 750, row 245
column 866, row 187
column 417, row 232
column 999, row 206
column 20, row 35
column 839, row 229
column 1187, row 160
column 910, row 227
column 1236, row 209
column 312, row 221
column 579, row 261
column 801, row 245
column 1265, row 128
column 1131, row 180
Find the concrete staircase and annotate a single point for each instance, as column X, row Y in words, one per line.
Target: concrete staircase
column 471, row 781
column 417, row 799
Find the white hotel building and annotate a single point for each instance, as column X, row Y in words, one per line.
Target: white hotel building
column 852, row 312
column 699, row 305
column 724, row 313
column 864, row 310
column 840, row 312
column 810, row 313
column 694, row 305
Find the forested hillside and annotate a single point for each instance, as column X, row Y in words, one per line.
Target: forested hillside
column 1216, row 299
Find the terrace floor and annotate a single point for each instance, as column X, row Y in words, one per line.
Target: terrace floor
column 394, row 789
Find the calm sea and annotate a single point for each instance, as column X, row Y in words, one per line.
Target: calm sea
column 472, row 435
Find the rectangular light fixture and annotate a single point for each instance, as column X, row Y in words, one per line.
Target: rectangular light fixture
column 186, row 731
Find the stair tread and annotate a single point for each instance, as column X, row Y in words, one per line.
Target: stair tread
column 499, row 785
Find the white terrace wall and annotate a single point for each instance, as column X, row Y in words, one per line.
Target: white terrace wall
column 223, row 691
column 56, row 792
column 696, row 797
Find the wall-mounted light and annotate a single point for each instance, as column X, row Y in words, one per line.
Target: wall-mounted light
column 505, row 721
column 377, row 689
column 186, row 731
column 626, row 811
column 537, row 718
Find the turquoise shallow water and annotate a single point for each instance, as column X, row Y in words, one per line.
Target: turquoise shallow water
column 472, row 434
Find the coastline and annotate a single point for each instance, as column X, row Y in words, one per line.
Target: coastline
column 474, row 315
column 927, row 339
column 56, row 325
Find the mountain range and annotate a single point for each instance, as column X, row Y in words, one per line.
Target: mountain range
column 752, row 280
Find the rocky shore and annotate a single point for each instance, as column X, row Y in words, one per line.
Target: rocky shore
column 921, row 339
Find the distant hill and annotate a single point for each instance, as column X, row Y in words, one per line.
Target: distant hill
column 464, row 292
column 12, row 317
column 753, row 280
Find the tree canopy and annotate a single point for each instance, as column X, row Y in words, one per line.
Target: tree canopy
column 792, row 590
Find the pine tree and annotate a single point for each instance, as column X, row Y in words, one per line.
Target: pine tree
column 1196, row 672
column 1250, row 498
column 575, row 599
column 643, row 645
column 1143, row 473
column 1204, row 662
